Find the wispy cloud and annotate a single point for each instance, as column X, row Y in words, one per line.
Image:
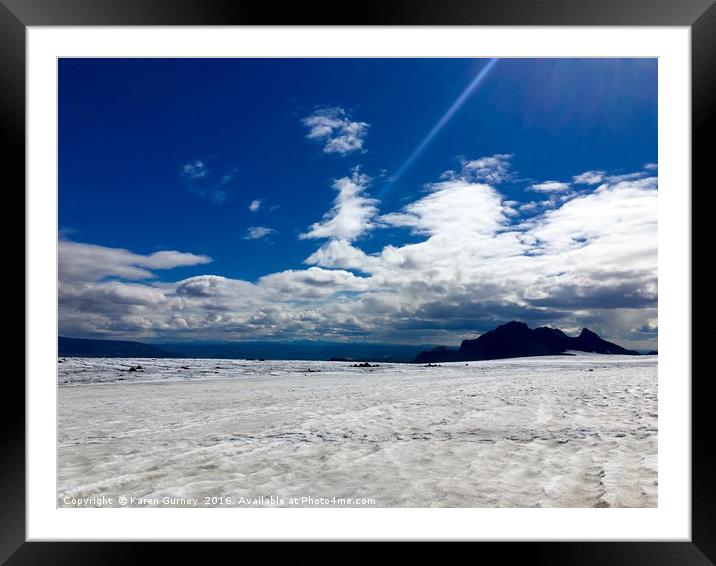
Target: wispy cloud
column 65, row 231
column 597, row 177
column 589, row 178
column 219, row 196
column 618, row 178
column 258, row 232
column 88, row 262
column 549, row 187
column 203, row 182
column 336, row 130
column 255, row 205
column 195, row 170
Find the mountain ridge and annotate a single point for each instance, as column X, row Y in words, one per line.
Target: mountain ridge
column 243, row 350
column 96, row 348
column 516, row 340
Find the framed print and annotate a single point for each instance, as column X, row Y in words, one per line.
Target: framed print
column 423, row 274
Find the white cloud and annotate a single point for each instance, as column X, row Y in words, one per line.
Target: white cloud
column 549, row 187
column 255, row 205
column 313, row 282
column 452, row 206
column 588, row 261
column 212, row 286
column 597, row 177
column 195, row 170
column 623, row 212
column 529, row 206
column 88, row 262
column 589, row 178
column 493, row 169
column 258, row 232
column 352, row 213
column 340, row 253
column 336, row 130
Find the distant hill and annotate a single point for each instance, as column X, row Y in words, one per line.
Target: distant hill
column 517, row 340
column 86, row 348
column 297, row 350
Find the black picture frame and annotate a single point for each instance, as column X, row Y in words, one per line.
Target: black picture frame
column 699, row 15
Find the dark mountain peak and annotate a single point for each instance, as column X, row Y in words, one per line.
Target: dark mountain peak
column 512, row 326
column 586, row 333
column 515, row 340
column 589, row 341
column 504, row 334
column 548, row 330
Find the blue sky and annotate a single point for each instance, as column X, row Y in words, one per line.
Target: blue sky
column 163, row 157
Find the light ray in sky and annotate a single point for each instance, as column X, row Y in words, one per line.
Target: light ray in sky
column 464, row 95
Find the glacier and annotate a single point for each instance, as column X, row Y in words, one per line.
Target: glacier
column 557, row 431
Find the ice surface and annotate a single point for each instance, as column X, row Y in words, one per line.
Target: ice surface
column 556, row 431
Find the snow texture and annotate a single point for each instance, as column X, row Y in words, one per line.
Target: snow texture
column 556, row 431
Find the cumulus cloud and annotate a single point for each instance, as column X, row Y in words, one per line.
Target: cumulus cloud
column 313, row 282
column 340, row 253
column 210, row 286
column 549, row 187
column 453, row 206
column 255, row 205
column 336, row 130
column 590, row 260
column 620, row 212
column 352, row 213
column 258, row 232
column 493, row 169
